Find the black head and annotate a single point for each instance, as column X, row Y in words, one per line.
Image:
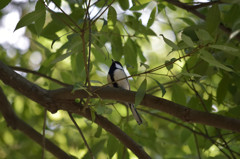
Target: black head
column 116, row 65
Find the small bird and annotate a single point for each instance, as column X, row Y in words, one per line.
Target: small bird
column 116, row 73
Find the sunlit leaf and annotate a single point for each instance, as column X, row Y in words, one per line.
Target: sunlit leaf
column 138, row 7
column 170, row 43
column 61, row 57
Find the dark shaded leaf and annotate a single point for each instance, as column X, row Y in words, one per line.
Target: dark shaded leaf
column 4, row 3
column 152, row 17
column 213, row 19
column 206, row 56
column 222, row 89
column 112, row 15
column 140, row 92
column 124, row 4
column 178, row 95
column 187, row 40
column 204, row 36
column 30, row 18
column 161, row 86
column 39, row 23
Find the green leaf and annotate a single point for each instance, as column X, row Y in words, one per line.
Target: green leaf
column 232, row 15
column 93, row 115
column 124, row 4
column 206, row 56
column 222, row 89
column 98, row 132
column 190, row 74
column 170, row 43
column 204, row 36
column 144, row 65
column 188, row 21
column 117, row 48
column 169, row 64
column 80, row 86
column 130, row 54
column 112, row 16
column 187, row 40
column 140, row 92
column 213, row 19
column 227, row 49
column 161, row 86
column 138, row 7
column 39, row 23
column 30, row 18
column 152, row 17
column 178, row 95
column 77, row 100
column 4, row 3
column 112, row 146
column 61, row 57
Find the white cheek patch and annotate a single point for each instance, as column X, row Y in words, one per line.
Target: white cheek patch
column 120, row 74
column 118, row 66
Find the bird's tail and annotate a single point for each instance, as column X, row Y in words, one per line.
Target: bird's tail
column 135, row 114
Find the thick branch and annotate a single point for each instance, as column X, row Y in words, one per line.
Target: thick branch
column 42, row 97
column 179, row 111
column 16, row 123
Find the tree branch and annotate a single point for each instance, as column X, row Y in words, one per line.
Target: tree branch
column 16, row 123
column 64, row 99
column 193, row 10
column 184, row 113
column 43, row 97
column 39, row 74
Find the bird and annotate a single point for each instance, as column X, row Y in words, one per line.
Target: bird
column 116, row 73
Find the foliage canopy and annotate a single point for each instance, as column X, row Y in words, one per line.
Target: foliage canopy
column 184, row 51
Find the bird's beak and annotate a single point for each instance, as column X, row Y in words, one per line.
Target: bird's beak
column 113, row 60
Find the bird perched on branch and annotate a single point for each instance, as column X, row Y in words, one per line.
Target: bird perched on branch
column 116, row 73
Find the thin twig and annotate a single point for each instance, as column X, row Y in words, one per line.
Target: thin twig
column 219, row 145
column 71, row 20
column 43, row 136
column 39, row 74
column 94, row 20
column 197, row 146
column 100, row 9
column 65, row 22
column 81, row 133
